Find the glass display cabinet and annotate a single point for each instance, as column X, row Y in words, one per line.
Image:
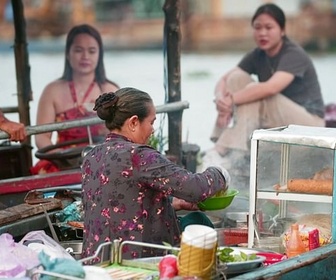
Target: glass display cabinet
column 292, row 178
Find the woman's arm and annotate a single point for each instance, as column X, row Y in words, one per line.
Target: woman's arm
column 259, row 90
column 163, row 175
column 223, row 99
column 252, row 92
column 181, row 204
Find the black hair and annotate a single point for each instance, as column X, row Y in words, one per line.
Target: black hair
column 115, row 108
column 272, row 10
column 100, row 76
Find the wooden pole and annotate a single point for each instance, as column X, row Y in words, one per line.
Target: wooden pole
column 172, row 51
column 22, row 67
column 21, row 62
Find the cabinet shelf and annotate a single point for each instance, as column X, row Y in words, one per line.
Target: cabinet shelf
column 294, row 196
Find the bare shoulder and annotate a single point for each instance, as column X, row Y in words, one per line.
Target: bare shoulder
column 54, row 88
column 109, row 86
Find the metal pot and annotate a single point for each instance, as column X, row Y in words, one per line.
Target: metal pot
column 240, row 220
column 216, row 221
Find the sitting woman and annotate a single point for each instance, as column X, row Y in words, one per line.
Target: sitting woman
column 72, row 96
column 129, row 190
column 287, row 91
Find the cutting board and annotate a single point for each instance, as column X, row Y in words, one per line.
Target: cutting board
column 24, row 210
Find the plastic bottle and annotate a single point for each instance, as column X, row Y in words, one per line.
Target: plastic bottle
column 295, row 245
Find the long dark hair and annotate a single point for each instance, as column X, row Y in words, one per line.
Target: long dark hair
column 100, row 75
column 272, row 10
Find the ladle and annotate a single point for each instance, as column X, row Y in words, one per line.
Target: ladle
column 51, row 227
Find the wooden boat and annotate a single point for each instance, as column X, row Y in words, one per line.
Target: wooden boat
column 16, row 217
column 13, row 191
column 315, row 264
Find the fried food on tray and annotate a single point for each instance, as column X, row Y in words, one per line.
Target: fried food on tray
column 76, row 224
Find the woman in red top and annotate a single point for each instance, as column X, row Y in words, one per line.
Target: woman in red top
column 73, row 95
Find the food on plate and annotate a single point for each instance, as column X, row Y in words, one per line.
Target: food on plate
column 310, row 186
column 227, row 254
column 220, row 193
column 239, row 260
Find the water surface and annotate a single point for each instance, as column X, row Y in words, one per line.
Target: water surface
column 144, row 70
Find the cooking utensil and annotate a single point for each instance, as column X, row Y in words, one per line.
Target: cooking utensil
column 51, row 227
column 240, row 219
column 218, row 202
column 256, row 228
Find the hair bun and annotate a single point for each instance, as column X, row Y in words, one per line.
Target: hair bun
column 105, row 100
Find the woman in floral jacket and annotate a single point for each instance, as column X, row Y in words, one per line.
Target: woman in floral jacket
column 130, row 190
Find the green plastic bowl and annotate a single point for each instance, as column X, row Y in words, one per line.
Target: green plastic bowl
column 219, row 202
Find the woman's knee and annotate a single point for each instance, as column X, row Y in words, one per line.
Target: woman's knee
column 238, row 80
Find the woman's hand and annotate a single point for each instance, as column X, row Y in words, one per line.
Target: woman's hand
column 16, row 130
column 224, row 106
column 181, row 204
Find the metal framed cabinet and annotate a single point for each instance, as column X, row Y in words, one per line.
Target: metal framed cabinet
column 292, row 175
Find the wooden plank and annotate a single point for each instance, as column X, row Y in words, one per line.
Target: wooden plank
column 28, row 183
column 7, row 216
column 12, row 214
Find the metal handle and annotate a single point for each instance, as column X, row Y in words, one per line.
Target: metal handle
column 53, row 232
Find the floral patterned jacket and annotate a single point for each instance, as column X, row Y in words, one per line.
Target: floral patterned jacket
column 126, row 190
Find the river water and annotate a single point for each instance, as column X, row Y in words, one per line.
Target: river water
column 144, row 70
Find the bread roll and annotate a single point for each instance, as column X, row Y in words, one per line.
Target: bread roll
column 310, row 186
